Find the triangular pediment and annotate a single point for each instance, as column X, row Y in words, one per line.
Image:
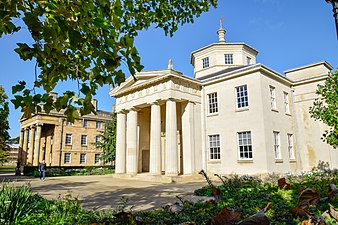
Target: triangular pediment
column 141, row 79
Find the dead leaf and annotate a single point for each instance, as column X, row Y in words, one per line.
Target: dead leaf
column 308, row 197
column 225, row 217
column 258, row 219
column 299, row 212
column 217, row 194
column 306, row 222
column 282, row 184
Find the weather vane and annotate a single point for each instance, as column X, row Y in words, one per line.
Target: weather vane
column 221, row 23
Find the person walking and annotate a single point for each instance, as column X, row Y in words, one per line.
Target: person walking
column 42, row 170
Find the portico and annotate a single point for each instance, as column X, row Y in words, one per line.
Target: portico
column 154, row 131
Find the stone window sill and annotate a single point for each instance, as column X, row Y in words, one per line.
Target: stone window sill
column 214, row 161
column 212, row 114
column 275, row 110
column 245, row 161
column 292, row 160
column 278, row 160
column 242, row 109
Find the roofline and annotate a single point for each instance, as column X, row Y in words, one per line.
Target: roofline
column 221, row 43
column 61, row 114
column 155, row 80
column 246, row 70
column 308, row 66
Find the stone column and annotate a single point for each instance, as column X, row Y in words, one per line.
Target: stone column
column 20, row 153
column 37, row 145
column 31, row 146
column 25, row 146
column 132, row 165
column 188, row 138
column 171, row 164
column 120, row 166
column 155, row 139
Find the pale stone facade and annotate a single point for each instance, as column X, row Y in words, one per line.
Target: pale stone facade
column 234, row 116
column 51, row 138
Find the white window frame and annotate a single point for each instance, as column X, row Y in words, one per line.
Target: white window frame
column 205, row 62
column 291, row 149
column 242, row 97
column 273, row 102
column 85, row 123
column 84, row 143
column 67, row 160
column 83, row 158
column 276, row 145
column 248, row 60
column 286, row 103
column 229, row 59
column 214, row 147
column 212, row 103
column 97, row 161
column 98, row 139
column 68, row 135
column 245, row 151
column 98, row 124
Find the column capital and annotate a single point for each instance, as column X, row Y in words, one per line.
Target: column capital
column 171, row 100
column 122, row 111
column 136, row 109
column 156, row 102
column 39, row 124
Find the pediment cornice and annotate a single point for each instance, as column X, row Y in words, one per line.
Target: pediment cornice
column 152, row 78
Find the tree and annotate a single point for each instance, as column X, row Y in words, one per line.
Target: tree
column 4, row 126
column 108, row 140
column 86, row 42
column 14, row 140
column 325, row 108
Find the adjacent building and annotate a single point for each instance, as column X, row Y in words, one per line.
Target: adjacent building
column 51, row 138
column 234, row 116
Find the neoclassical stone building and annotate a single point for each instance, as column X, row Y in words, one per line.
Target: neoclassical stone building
column 234, row 116
column 51, row 138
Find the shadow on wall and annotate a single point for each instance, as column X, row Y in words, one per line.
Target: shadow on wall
column 323, row 167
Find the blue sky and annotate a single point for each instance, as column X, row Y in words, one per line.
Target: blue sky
column 287, row 34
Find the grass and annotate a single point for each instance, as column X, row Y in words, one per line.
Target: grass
column 246, row 195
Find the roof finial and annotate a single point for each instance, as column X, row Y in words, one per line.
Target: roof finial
column 221, row 31
column 170, row 65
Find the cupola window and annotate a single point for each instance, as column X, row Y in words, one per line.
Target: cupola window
column 228, row 59
column 205, row 62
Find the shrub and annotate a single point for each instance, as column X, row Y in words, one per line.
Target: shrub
column 16, row 203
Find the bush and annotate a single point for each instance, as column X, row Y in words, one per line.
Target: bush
column 16, row 203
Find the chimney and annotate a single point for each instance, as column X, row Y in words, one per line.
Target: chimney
column 94, row 103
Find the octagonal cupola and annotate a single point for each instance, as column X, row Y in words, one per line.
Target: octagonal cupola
column 221, row 56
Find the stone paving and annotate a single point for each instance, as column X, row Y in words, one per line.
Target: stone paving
column 106, row 191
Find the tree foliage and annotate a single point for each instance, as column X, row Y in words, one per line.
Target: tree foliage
column 108, row 140
column 4, row 126
column 86, row 42
column 325, row 108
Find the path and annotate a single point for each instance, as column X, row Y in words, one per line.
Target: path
column 106, row 191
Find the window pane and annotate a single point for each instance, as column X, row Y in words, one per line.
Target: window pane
column 214, row 147
column 245, row 147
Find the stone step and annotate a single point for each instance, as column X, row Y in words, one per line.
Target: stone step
column 161, row 178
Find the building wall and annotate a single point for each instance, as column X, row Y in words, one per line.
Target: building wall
column 277, row 120
column 229, row 121
column 53, row 138
column 311, row 148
